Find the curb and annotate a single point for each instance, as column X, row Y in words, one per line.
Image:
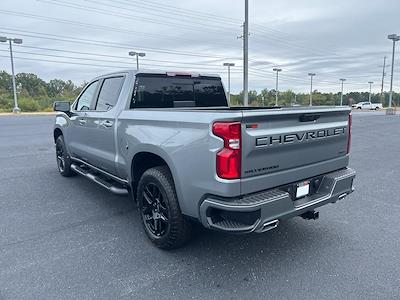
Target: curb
column 29, row 114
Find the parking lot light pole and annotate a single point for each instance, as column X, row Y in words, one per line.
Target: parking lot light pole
column 229, row 65
column 370, row 89
column 311, row 91
column 341, row 93
column 4, row 39
column 277, row 70
column 137, row 54
column 394, row 38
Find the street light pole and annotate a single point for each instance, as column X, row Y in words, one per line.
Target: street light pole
column 341, row 94
column 246, row 55
column 394, row 38
column 16, row 109
column 370, row 90
column 137, row 54
column 383, row 74
column 277, row 70
column 311, row 90
column 229, row 65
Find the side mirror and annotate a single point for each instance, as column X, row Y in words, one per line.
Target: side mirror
column 63, row 106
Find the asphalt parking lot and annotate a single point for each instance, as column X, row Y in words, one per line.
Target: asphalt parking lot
column 67, row 238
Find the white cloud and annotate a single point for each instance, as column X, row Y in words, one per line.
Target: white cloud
column 343, row 38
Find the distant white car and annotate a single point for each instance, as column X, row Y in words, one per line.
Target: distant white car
column 368, row 105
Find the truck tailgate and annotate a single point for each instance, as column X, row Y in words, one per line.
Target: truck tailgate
column 287, row 145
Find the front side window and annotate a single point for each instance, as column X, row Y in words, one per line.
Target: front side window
column 86, row 99
column 109, row 93
column 161, row 91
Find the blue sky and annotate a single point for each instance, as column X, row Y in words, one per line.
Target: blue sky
column 80, row 39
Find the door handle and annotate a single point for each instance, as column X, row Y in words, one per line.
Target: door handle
column 82, row 122
column 107, row 123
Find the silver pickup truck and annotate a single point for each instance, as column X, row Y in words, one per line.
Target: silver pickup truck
column 172, row 142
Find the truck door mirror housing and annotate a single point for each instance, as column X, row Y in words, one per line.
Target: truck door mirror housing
column 63, row 106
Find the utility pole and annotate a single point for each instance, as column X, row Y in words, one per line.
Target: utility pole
column 3, row 39
column 341, row 94
column 137, row 54
column 370, row 89
column 229, row 65
column 277, row 70
column 246, row 55
column 394, row 38
column 311, row 90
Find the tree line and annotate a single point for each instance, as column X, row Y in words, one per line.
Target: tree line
column 35, row 94
column 289, row 98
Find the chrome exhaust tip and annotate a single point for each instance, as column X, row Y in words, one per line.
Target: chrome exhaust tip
column 269, row 225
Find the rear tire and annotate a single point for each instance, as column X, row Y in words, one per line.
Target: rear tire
column 63, row 159
column 159, row 209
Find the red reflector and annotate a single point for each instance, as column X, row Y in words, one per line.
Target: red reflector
column 252, row 126
column 349, row 133
column 229, row 159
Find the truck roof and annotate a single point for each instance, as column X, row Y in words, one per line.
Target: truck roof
column 162, row 72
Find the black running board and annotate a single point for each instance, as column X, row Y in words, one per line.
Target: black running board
column 113, row 188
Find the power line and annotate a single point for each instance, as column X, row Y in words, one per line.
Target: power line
column 115, row 56
column 271, row 36
column 207, row 16
column 109, row 12
column 100, row 27
column 125, row 64
column 135, row 17
column 108, row 44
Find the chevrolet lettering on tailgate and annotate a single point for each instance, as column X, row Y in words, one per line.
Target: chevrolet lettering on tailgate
column 300, row 137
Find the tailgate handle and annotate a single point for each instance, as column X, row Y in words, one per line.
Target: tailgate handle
column 308, row 118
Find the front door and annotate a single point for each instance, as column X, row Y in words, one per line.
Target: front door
column 82, row 120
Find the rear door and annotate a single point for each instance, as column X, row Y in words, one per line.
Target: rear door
column 102, row 142
column 366, row 105
column 281, row 142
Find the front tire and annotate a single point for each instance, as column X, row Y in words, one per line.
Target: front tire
column 63, row 160
column 159, row 209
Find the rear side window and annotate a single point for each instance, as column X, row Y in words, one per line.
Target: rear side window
column 109, row 93
column 163, row 91
column 85, row 100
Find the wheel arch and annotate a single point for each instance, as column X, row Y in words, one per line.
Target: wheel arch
column 56, row 133
column 145, row 160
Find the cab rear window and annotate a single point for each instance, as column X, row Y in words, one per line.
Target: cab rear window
column 162, row 91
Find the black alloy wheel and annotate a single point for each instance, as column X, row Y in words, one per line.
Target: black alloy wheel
column 63, row 160
column 162, row 218
column 60, row 157
column 155, row 210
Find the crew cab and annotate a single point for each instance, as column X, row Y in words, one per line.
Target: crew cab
column 172, row 142
column 368, row 105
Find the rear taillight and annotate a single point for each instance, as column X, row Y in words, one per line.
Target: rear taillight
column 349, row 133
column 229, row 159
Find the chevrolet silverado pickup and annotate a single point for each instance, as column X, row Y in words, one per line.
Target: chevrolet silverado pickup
column 172, row 142
column 368, row 105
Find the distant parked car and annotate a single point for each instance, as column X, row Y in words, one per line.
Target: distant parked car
column 368, row 105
